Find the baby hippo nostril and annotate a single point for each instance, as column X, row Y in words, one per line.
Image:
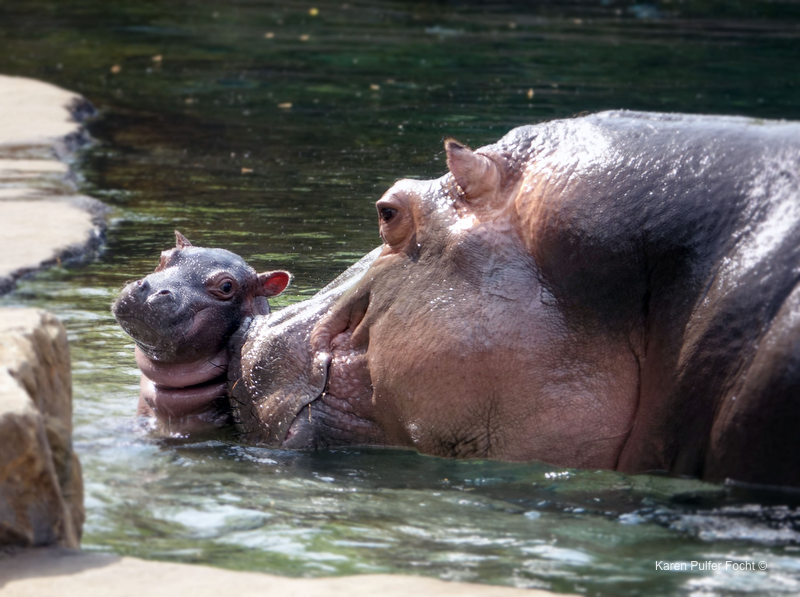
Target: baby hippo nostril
column 162, row 296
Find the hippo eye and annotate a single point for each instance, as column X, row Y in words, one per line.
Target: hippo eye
column 222, row 288
column 395, row 218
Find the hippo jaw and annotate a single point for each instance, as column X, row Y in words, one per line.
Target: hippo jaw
column 326, row 404
column 305, row 379
column 343, row 411
column 277, row 376
column 281, row 386
column 398, row 358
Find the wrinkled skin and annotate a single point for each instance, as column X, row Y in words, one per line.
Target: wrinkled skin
column 614, row 291
column 182, row 317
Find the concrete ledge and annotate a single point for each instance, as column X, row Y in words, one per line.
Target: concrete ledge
column 67, row 574
column 39, row 233
column 42, row 220
column 35, row 113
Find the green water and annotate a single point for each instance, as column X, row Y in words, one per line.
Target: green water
column 203, row 140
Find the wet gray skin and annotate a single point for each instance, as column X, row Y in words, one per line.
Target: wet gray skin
column 615, row 291
column 181, row 317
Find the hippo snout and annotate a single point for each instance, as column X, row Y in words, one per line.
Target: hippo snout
column 144, row 291
column 131, row 297
column 143, row 294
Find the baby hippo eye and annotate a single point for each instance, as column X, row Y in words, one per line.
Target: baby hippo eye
column 387, row 213
column 221, row 287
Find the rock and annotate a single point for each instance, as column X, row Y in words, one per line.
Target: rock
column 41, row 490
column 42, row 219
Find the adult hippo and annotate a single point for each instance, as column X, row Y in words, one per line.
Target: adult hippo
column 615, row 291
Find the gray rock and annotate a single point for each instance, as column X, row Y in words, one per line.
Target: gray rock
column 41, row 491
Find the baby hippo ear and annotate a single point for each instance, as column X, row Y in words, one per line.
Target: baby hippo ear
column 269, row 284
column 476, row 174
column 272, row 283
column 181, row 242
column 163, row 260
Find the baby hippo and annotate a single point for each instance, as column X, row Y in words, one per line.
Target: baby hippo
column 181, row 317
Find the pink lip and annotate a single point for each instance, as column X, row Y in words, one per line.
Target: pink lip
column 182, row 375
column 174, row 404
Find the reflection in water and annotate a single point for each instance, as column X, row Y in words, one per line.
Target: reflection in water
column 268, row 130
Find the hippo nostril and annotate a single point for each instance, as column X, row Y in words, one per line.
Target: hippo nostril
column 163, row 295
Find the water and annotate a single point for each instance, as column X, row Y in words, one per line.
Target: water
column 196, row 133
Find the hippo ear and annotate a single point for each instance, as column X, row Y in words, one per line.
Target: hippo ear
column 272, row 283
column 181, row 242
column 476, row 174
column 163, row 260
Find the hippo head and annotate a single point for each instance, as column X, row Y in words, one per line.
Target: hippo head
column 612, row 291
column 182, row 317
column 448, row 342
